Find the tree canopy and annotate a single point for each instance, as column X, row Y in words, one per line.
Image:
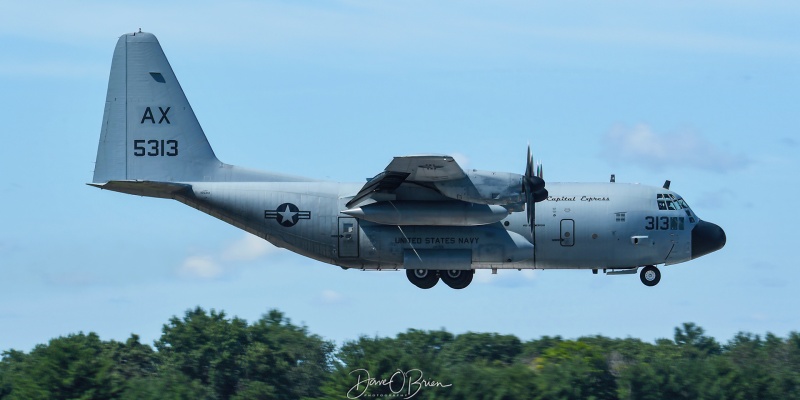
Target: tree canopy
column 208, row 355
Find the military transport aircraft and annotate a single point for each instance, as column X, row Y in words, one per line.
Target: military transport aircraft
column 423, row 213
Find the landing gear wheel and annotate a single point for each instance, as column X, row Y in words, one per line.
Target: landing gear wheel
column 423, row 278
column 457, row 278
column 650, row 275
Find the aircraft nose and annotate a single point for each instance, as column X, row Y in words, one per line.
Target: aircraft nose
column 706, row 238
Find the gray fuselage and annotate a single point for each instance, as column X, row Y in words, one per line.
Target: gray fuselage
column 580, row 225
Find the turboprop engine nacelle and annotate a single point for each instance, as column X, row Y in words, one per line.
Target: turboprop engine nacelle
column 485, row 187
column 437, row 213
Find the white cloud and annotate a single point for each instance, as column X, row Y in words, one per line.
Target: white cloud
column 248, row 248
column 202, row 267
column 640, row 145
column 211, row 266
column 759, row 317
column 505, row 277
column 331, row 297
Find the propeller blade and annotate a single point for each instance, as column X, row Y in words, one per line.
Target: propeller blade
column 533, row 185
column 529, row 163
column 528, row 185
column 529, row 206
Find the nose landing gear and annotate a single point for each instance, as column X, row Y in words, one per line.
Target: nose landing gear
column 650, row 275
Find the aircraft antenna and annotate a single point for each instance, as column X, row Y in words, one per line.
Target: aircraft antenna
column 409, row 243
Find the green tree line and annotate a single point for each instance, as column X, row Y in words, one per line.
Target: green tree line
column 208, row 355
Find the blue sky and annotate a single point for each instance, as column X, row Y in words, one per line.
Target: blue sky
column 702, row 93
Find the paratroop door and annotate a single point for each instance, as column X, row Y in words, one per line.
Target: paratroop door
column 348, row 237
column 567, row 232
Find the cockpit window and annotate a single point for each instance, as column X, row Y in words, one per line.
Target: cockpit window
column 687, row 209
column 671, row 202
column 670, row 221
column 668, row 201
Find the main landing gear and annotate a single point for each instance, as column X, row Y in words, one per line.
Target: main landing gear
column 427, row 278
column 650, row 275
column 423, row 278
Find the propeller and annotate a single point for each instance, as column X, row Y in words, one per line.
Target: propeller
column 533, row 186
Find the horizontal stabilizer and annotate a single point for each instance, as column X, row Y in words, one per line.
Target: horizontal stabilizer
column 166, row 190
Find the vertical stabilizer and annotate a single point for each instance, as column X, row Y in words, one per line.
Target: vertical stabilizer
column 149, row 130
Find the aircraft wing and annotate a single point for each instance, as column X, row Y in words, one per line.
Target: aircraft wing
column 408, row 169
column 427, row 168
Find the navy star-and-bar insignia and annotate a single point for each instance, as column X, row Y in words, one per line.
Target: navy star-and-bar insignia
column 287, row 214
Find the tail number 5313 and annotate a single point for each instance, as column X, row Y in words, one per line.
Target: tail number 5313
column 155, row 148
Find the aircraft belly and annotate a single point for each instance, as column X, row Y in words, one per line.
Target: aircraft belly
column 391, row 246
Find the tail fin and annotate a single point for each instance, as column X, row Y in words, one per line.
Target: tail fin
column 149, row 130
